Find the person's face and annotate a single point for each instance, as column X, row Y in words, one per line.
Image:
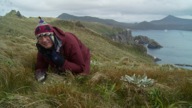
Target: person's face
column 45, row 41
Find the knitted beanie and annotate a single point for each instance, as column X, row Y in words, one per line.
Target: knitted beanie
column 43, row 28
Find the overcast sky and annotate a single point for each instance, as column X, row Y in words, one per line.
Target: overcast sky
column 119, row 10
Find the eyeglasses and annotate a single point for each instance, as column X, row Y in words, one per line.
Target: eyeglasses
column 44, row 34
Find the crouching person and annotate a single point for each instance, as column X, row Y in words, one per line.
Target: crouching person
column 60, row 50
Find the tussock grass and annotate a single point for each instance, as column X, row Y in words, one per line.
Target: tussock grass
column 102, row 88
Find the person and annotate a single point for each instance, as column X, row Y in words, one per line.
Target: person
column 62, row 51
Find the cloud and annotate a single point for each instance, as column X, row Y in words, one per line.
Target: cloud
column 121, row 10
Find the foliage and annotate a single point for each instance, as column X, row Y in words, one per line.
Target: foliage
column 156, row 98
column 140, row 81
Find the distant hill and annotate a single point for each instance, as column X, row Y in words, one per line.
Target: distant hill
column 14, row 13
column 110, row 22
column 170, row 19
column 170, row 22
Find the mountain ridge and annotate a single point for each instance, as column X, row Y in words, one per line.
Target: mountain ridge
column 111, row 22
column 170, row 19
column 169, row 22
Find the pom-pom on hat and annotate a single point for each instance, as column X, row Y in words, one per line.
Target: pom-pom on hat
column 43, row 28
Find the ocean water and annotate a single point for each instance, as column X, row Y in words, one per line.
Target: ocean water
column 177, row 45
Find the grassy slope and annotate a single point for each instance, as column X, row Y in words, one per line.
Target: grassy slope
column 104, row 30
column 102, row 88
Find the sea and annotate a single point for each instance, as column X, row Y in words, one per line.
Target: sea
column 177, row 46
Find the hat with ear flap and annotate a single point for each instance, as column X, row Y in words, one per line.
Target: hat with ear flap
column 43, row 28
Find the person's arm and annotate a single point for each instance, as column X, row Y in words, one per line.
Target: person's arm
column 40, row 68
column 41, row 62
column 75, row 60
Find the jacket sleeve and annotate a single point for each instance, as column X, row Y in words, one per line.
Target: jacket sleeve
column 74, row 61
column 41, row 63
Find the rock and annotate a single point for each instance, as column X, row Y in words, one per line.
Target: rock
column 141, row 39
column 14, row 13
column 153, row 45
column 187, row 65
column 124, row 36
column 156, row 59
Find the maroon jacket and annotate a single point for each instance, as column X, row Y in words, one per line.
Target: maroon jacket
column 76, row 54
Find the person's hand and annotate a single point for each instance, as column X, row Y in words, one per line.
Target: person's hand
column 57, row 59
column 40, row 76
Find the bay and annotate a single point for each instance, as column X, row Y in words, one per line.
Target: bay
column 177, row 45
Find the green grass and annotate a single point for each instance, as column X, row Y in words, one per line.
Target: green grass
column 102, row 29
column 102, row 88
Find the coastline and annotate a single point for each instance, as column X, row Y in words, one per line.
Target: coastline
column 176, row 48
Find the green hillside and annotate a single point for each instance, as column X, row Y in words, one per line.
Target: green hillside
column 103, row 88
column 102, row 29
